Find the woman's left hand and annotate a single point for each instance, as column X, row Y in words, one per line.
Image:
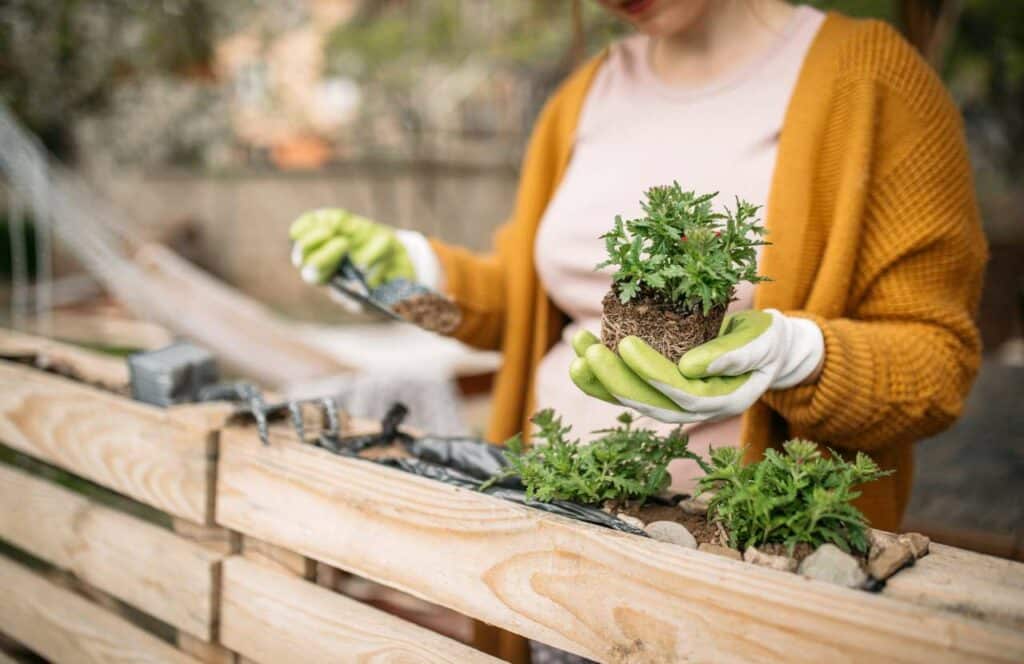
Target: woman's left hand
column 754, row 351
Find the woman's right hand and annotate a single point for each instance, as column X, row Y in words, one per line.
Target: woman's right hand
column 321, row 239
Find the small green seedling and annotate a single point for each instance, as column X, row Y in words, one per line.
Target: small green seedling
column 624, row 463
column 797, row 496
column 683, row 252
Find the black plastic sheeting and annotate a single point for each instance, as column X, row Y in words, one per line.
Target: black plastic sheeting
column 463, row 462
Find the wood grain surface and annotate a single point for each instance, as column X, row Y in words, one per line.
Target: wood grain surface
column 133, row 448
column 63, row 627
column 146, row 566
column 87, row 365
column 271, row 617
column 598, row 593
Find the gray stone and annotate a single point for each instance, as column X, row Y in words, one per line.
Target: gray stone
column 889, row 561
column 705, row 496
column 916, row 542
column 631, row 520
column 879, row 542
column 723, row 551
column 694, row 506
column 831, row 564
column 781, row 563
column 671, row 532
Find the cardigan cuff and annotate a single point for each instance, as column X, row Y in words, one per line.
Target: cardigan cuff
column 839, row 404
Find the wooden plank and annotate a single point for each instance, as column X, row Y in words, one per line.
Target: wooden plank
column 103, row 328
column 223, row 542
column 277, row 558
column 133, row 448
column 63, row 627
column 964, row 582
column 146, row 566
column 205, row 651
column 271, row 616
column 212, row 538
column 601, row 594
column 88, row 366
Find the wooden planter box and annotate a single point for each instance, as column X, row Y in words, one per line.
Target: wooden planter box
column 598, row 593
column 242, row 588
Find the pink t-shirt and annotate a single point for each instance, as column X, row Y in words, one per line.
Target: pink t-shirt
column 634, row 132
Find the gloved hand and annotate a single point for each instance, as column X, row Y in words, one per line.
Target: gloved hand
column 322, row 238
column 754, row 351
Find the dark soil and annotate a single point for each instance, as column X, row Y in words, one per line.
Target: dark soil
column 706, row 532
column 660, row 324
column 430, row 311
column 702, row 530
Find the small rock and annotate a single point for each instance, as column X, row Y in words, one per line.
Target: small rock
column 693, row 506
column 705, row 497
column 781, row 563
column 916, row 542
column 631, row 520
column 723, row 551
column 671, row 532
column 890, row 560
column 879, row 542
column 831, row 564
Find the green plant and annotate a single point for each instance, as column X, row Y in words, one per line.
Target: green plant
column 796, row 496
column 682, row 251
column 625, row 463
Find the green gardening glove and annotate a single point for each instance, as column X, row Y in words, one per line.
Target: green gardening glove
column 755, row 351
column 323, row 238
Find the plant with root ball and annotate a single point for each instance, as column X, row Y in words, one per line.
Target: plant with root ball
column 677, row 268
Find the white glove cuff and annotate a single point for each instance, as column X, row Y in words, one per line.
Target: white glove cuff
column 806, row 350
column 424, row 260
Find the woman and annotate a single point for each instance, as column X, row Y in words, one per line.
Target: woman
column 876, row 249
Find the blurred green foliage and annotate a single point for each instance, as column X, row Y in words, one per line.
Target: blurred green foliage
column 984, row 67
column 62, row 57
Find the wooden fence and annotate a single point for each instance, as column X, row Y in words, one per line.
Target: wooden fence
column 227, row 574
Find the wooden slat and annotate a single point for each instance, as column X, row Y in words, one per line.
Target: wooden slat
column 132, row 448
column 271, row 616
column 275, row 557
column 146, row 566
column 222, row 542
column 205, row 651
column 63, row 627
column 599, row 593
column 89, row 366
column 964, row 581
column 103, row 328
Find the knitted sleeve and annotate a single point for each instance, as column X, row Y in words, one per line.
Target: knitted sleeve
column 477, row 283
column 899, row 364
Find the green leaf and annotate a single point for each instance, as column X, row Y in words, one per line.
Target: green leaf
column 682, row 250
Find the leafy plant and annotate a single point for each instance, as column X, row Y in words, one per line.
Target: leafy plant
column 624, row 463
column 682, row 251
column 797, row 496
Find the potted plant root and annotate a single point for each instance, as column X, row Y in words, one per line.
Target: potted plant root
column 677, row 268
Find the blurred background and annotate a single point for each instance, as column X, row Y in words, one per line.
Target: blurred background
column 206, row 126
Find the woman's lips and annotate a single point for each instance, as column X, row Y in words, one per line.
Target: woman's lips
column 636, row 7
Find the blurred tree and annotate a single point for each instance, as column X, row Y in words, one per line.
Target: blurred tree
column 62, row 57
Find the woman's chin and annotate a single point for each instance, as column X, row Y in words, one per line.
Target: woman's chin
column 666, row 18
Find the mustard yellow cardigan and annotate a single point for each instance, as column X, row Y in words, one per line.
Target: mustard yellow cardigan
column 875, row 236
